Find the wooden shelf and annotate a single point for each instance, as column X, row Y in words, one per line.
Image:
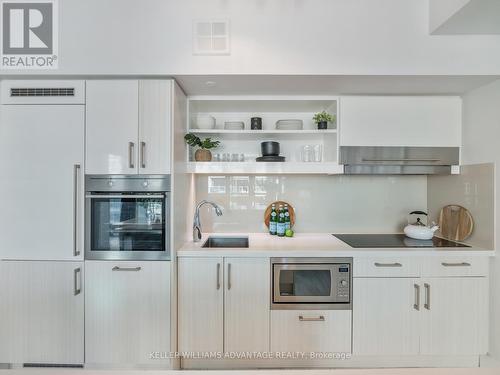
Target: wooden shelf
column 264, row 168
column 259, row 132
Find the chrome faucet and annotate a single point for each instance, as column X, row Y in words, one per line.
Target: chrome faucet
column 196, row 220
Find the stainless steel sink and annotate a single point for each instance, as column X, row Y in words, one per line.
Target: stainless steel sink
column 226, row 242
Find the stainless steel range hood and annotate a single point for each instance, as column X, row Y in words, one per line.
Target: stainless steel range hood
column 398, row 160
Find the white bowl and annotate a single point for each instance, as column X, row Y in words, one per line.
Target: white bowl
column 205, row 122
column 289, row 124
column 234, row 125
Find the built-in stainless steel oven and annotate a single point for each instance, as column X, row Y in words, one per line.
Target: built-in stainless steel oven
column 311, row 283
column 127, row 217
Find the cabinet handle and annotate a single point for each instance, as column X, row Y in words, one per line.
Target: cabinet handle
column 229, row 276
column 416, row 305
column 131, row 146
column 388, row 264
column 76, row 190
column 462, row 264
column 143, row 154
column 427, row 303
column 77, row 281
column 116, row 268
column 320, row 318
column 218, row 276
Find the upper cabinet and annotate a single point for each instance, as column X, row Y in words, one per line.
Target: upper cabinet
column 128, row 127
column 426, row 121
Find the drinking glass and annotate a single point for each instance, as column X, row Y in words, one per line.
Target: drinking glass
column 317, row 153
column 306, row 153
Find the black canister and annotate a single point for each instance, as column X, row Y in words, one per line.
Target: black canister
column 256, row 123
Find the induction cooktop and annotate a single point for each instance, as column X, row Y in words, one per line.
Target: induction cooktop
column 393, row 240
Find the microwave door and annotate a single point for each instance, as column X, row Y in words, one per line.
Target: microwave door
column 303, row 283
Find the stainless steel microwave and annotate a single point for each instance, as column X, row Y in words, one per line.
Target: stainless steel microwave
column 311, row 283
column 127, row 217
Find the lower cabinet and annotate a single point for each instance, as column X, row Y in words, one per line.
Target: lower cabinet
column 385, row 320
column 454, row 316
column 427, row 316
column 223, row 304
column 127, row 312
column 319, row 331
column 42, row 312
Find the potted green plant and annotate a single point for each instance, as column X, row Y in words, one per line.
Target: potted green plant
column 203, row 153
column 322, row 119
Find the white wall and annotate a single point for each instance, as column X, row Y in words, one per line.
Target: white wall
column 481, row 137
column 323, row 204
column 369, row 37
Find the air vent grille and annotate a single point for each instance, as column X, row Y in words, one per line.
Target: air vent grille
column 42, row 91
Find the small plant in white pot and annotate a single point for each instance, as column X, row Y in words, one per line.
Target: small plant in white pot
column 322, row 119
column 204, row 146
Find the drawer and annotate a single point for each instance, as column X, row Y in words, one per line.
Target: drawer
column 311, row 331
column 449, row 266
column 393, row 266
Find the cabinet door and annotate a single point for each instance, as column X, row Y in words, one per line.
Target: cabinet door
column 246, row 305
column 200, row 304
column 400, row 121
column 127, row 312
column 42, row 312
column 112, row 127
column 155, row 101
column 41, row 182
column 455, row 316
column 385, row 320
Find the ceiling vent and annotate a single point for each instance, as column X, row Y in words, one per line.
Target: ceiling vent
column 211, row 37
column 41, row 91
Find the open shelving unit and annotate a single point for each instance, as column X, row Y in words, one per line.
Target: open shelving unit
column 247, row 141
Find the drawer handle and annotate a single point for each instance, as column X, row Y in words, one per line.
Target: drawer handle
column 462, row 264
column 320, row 318
column 388, row 264
column 116, row 268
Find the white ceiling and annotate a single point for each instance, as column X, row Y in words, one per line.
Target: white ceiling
column 329, row 85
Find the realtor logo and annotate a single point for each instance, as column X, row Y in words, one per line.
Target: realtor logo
column 29, row 34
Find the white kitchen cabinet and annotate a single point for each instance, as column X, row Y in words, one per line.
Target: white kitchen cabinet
column 128, row 126
column 454, row 316
column 127, row 312
column 246, row 304
column 318, row 331
column 385, row 320
column 155, row 111
column 112, row 126
column 41, row 181
column 200, row 304
column 42, row 312
column 400, row 121
column 223, row 304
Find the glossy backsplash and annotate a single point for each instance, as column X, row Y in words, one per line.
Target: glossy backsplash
column 370, row 204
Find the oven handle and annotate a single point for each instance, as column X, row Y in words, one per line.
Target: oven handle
column 94, row 196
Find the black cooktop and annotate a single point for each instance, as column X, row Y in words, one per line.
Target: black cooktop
column 393, row 240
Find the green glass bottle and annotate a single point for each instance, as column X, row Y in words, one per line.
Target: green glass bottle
column 280, row 229
column 273, row 221
column 287, row 218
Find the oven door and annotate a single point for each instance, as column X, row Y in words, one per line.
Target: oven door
column 304, row 283
column 127, row 226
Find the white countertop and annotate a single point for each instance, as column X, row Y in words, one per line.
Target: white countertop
column 310, row 245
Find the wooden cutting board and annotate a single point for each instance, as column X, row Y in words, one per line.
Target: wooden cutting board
column 455, row 223
column 267, row 213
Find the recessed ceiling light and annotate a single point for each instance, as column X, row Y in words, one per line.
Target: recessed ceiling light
column 210, row 83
